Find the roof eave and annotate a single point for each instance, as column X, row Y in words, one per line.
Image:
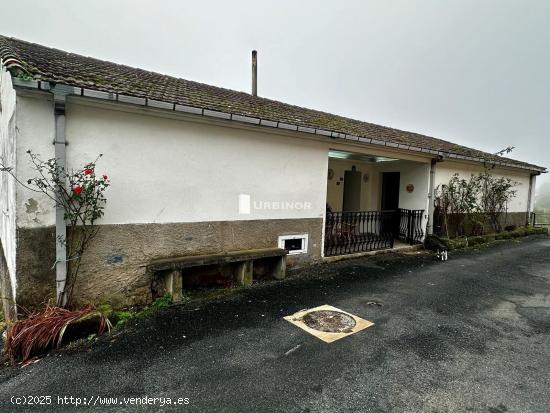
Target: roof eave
column 234, row 117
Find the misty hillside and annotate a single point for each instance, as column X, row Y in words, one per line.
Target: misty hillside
column 542, row 198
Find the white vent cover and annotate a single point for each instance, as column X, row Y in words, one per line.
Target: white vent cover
column 294, row 244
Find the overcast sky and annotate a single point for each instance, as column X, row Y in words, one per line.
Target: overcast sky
column 473, row 72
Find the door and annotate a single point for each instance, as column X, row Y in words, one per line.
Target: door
column 390, row 202
column 352, row 191
column 390, row 191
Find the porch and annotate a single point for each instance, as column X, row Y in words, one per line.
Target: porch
column 373, row 203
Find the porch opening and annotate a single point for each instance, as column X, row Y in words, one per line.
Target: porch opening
column 373, row 202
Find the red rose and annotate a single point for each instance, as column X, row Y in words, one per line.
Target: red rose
column 105, row 177
column 77, row 189
column 88, row 171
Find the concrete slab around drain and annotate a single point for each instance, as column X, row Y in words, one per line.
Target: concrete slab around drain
column 328, row 337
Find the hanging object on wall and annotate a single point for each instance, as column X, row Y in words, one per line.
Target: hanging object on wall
column 366, row 177
column 409, row 188
column 330, row 174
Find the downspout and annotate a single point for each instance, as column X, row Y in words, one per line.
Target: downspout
column 59, row 97
column 532, row 180
column 431, row 199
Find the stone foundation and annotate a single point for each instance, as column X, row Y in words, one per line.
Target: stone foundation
column 6, row 294
column 113, row 269
column 35, row 260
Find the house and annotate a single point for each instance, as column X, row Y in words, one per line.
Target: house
column 197, row 169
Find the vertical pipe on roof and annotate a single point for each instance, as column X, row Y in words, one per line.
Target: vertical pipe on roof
column 254, row 73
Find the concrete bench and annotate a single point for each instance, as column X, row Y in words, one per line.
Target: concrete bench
column 173, row 268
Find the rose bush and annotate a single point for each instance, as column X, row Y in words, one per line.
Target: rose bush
column 80, row 193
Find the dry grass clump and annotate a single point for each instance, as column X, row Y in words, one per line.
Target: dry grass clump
column 45, row 329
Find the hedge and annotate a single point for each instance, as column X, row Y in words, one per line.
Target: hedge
column 463, row 242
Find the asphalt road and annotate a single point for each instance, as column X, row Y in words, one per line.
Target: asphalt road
column 469, row 334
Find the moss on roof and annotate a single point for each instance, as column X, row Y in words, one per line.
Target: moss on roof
column 48, row 64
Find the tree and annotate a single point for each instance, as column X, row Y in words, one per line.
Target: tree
column 496, row 192
column 481, row 198
column 457, row 200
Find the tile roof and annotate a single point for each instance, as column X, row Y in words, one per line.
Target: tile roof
column 53, row 65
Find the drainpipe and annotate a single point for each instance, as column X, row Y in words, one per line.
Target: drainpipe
column 431, row 198
column 59, row 96
column 530, row 194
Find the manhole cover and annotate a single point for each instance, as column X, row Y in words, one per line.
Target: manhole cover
column 329, row 321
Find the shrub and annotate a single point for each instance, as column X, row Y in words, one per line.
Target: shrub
column 45, row 329
column 435, row 243
column 466, row 206
column 122, row 317
column 473, row 241
column 80, row 193
column 495, row 192
column 457, row 243
column 464, row 242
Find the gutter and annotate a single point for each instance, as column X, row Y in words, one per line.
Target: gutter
column 431, row 198
column 214, row 114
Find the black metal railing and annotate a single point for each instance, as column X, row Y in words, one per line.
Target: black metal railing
column 353, row 232
column 409, row 225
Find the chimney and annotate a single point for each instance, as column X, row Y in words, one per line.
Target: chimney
column 254, row 73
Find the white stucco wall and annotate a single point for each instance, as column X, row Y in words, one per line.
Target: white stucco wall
column 167, row 170
column 35, row 131
column 445, row 170
column 7, row 183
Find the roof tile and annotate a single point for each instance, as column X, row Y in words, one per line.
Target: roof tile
column 53, row 65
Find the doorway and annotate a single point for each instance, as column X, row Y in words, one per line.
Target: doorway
column 390, row 191
column 352, row 191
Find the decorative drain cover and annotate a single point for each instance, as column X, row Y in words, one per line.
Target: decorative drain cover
column 328, row 323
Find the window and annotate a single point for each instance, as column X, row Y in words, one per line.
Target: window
column 294, row 244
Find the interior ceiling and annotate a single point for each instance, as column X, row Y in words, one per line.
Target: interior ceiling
column 358, row 156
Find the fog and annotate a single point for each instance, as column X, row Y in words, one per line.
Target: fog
column 473, row 72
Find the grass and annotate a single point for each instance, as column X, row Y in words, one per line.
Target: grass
column 122, row 317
